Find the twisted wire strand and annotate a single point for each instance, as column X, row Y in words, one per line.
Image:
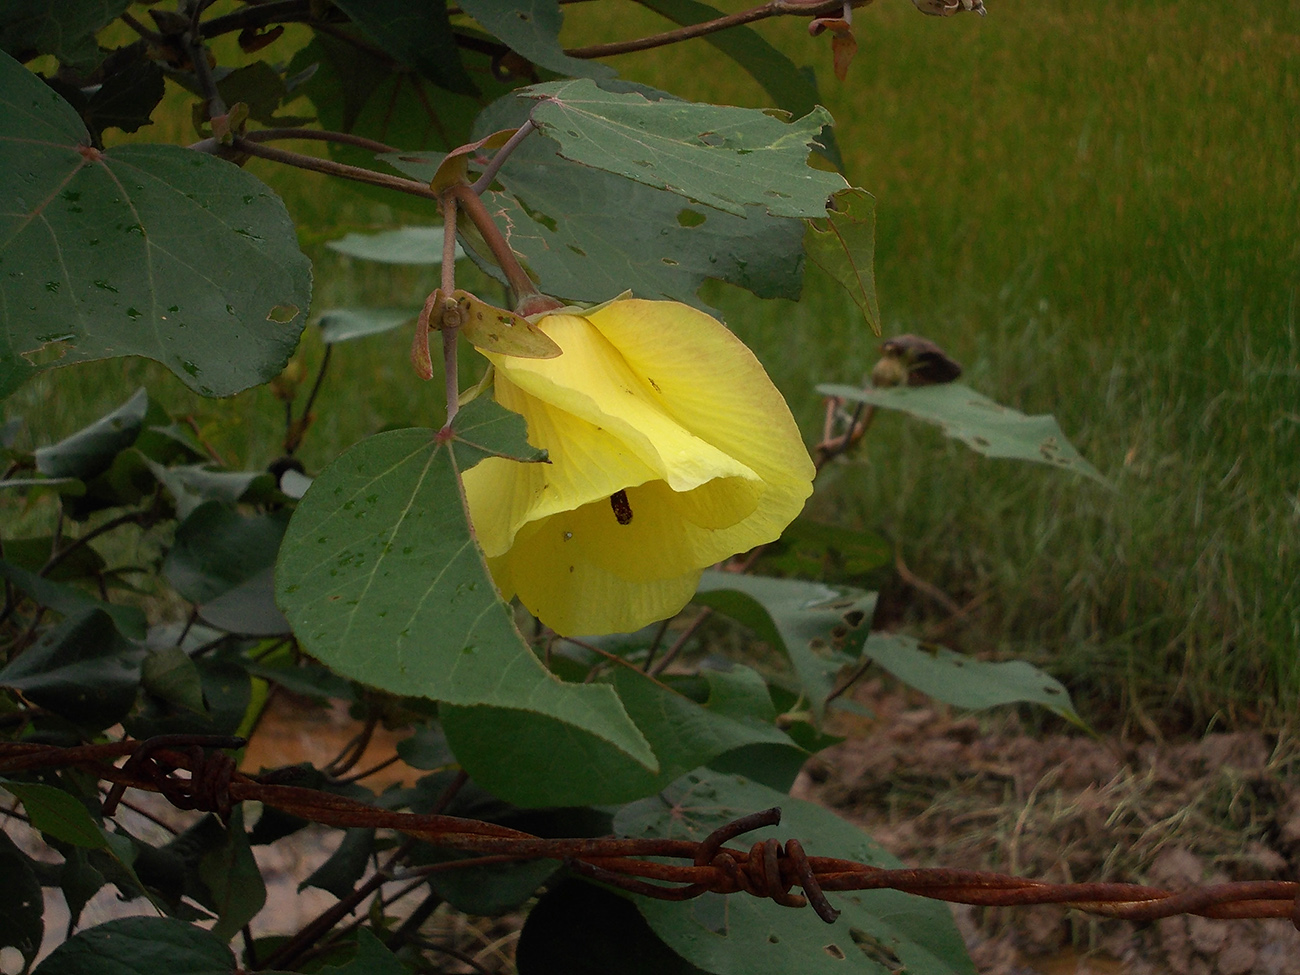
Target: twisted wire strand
column 192, row 772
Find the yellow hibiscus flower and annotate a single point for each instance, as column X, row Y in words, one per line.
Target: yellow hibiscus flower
column 670, row 450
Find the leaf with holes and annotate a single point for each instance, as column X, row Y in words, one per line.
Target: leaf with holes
column 985, row 426
column 791, row 88
column 878, row 931
column 531, row 28
column 382, row 581
column 967, row 682
column 846, row 249
column 819, row 628
column 141, row 250
column 723, row 157
column 570, row 225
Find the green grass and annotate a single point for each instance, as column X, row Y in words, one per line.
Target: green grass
column 1094, row 208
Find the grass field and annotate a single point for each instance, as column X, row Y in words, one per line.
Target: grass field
column 1094, row 208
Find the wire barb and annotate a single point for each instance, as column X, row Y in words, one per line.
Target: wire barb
column 193, row 772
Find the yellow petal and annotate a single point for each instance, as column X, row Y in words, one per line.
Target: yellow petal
column 589, row 464
column 660, row 402
column 709, row 381
column 593, row 381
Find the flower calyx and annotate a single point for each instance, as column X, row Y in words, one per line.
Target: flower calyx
column 487, row 328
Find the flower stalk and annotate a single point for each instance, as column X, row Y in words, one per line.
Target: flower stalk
column 516, row 277
column 450, row 322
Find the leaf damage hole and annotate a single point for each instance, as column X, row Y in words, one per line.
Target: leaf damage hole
column 835, row 951
column 854, row 618
column 282, row 314
column 819, row 647
column 49, row 351
column 876, row 950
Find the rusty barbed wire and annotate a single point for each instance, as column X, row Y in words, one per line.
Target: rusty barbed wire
column 768, row 869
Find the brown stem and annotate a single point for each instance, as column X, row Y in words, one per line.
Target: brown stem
column 138, row 517
column 378, row 767
column 318, row 135
column 152, row 36
column 611, row 657
column 520, row 283
column 295, row 432
column 502, row 154
column 291, row 950
column 450, row 366
column 414, row 921
column 450, row 793
column 351, row 753
column 655, row 644
column 255, row 15
column 328, row 167
column 922, row 586
column 449, row 951
column 679, row 643
column 832, row 447
column 197, row 51
column 776, row 8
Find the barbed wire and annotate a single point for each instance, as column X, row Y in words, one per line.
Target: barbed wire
column 192, row 772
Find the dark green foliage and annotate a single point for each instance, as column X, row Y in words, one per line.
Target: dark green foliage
column 579, row 928
column 141, row 946
column 21, row 906
column 146, row 250
column 154, row 584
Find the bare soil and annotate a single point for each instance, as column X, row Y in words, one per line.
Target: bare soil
column 983, row 792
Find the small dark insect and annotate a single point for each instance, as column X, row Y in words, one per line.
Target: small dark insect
column 914, row 360
column 622, row 509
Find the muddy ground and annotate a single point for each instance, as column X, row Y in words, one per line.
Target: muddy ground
column 939, row 788
column 981, row 792
column 990, row 792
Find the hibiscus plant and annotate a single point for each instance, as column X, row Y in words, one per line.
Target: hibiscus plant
column 519, row 586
